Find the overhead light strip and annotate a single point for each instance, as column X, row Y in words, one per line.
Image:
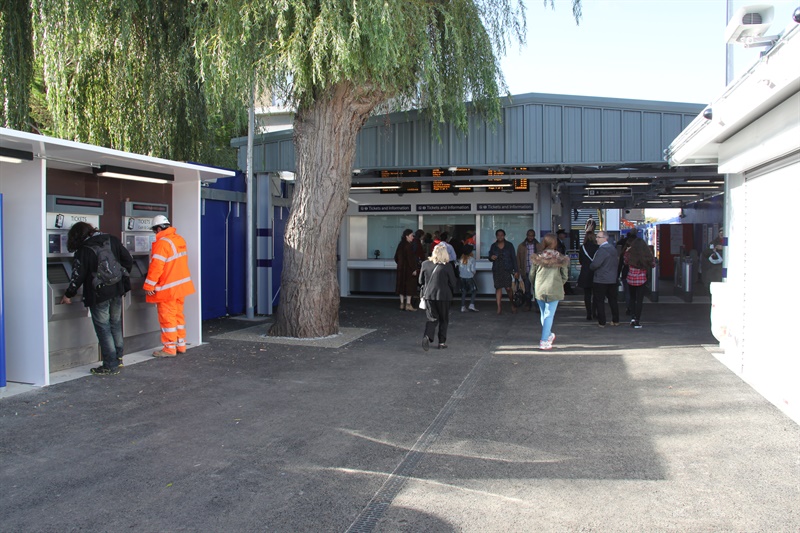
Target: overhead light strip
column 108, row 171
column 10, row 155
column 619, row 184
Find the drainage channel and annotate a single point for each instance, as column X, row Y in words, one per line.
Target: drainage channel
column 372, row 513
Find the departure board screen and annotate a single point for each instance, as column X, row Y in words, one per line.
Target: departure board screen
column 402, row 187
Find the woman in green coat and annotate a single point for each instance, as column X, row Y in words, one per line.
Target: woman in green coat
column 549, row 272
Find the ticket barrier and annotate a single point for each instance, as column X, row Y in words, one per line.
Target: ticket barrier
column 71, row 336
column 140, row 325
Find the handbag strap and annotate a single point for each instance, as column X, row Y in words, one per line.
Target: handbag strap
column 591, row 257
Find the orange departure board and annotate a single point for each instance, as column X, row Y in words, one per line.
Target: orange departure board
column 442, row 186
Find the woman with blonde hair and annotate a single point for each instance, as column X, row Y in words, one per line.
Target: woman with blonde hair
column 438, row 285
column 549, row 272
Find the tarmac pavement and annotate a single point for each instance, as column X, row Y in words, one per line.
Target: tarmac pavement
column 615, row 429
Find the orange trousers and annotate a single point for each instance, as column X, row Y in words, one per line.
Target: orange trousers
column 173, row 325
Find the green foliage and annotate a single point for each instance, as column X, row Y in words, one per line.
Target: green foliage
column 172, row 78
column 438, row 53
column 123, row 74
column 16, row 67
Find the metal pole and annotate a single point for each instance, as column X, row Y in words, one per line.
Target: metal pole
column 251, row 120
column 728, row 47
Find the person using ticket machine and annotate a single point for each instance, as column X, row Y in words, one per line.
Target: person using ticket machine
column 93, row 269
column 168, row 283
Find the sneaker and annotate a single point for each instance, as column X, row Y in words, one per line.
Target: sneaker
column 162, row 353
column 615, row 323
column 637, row 326
column 463, row 309
column 472, row 308
column 633, row 322
column 104, row 371
column 442, row 346
column 544, row 345
column 601, row 325
column 426, row 343
column 551, row 338
column 120, row 361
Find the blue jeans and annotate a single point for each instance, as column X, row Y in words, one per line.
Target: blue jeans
column 107, row 320
column 468, row 285
column 548, row 310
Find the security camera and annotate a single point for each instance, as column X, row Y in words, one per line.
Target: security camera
column 708, row 114
column 796, row 15
column 748, row 25
column 356, row 171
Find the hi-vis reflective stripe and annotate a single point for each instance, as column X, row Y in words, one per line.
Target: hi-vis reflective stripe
column 175, row 254
column 181, row 327
column 167, row 330
column 173, row 284
column 171, row 258
column 149, row 282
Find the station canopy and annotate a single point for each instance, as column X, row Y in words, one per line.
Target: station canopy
column 601, row 152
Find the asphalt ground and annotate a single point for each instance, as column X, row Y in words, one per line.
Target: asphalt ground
column 615, row 429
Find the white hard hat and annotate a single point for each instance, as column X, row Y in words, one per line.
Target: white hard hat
column 160, row 220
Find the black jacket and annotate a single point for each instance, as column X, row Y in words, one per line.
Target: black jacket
column 84, row 265
column 439, row 283
column 586, row 276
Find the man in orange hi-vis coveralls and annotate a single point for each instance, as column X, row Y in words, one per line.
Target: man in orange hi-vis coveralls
column 168, row 283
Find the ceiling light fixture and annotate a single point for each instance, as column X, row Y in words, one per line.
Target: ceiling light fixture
column 108, row 171
column 618, row 184
column 374, row 187
column 10, row 155
column 688, row 195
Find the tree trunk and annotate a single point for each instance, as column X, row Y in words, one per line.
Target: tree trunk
column 325, row 144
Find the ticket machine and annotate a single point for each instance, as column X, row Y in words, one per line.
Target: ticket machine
column 72, row 340
column 140, row 319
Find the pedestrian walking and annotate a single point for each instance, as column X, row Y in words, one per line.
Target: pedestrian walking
column 549, row 271
column 604, row 284
column 438, row 285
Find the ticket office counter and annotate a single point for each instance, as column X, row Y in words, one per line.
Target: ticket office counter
column 380, row 277
column 372, row 240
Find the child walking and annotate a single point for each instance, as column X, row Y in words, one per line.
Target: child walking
column 466, row 269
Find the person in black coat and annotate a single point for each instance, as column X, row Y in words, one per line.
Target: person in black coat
column 439, row 283
column 104, row 301
column 586, row 256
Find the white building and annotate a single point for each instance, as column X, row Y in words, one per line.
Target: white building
column 752, row 133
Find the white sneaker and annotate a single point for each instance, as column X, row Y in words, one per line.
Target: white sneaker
column 551, row 338
column 463, row 309
column 545, row 345
column 472, row 308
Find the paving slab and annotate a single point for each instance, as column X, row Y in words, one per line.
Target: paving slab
column 615, row 429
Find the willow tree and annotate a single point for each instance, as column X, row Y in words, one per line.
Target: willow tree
column 336, row 61
column 162, row 76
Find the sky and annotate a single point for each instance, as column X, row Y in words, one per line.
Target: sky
column 667, row 50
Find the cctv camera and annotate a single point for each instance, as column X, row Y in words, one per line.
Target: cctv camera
column 796, row 15
column 708, row 113
column 749, row 24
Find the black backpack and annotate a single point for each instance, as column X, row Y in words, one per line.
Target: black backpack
column 109, row 270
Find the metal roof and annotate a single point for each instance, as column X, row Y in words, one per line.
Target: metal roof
column 548, row 137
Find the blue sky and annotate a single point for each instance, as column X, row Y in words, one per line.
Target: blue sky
column 668, row 50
